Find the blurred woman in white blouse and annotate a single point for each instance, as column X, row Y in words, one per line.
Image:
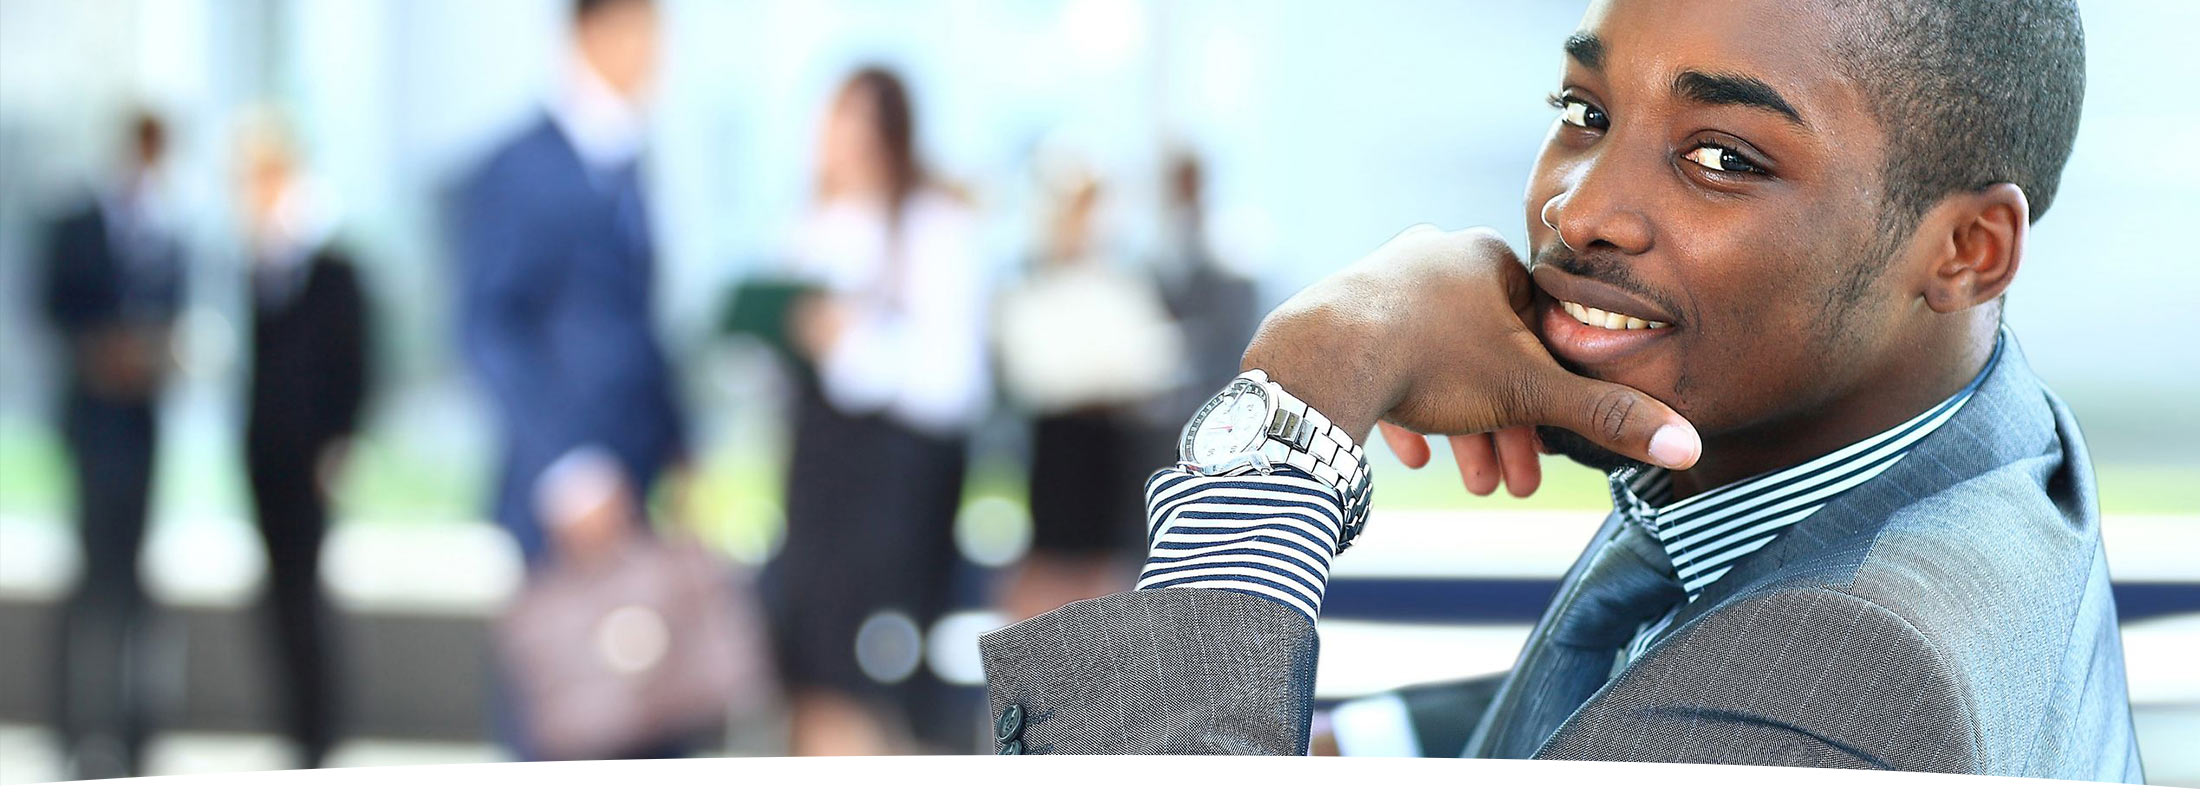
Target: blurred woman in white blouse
column 895, row 351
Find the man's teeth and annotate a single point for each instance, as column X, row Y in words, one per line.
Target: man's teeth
column 1599, row 317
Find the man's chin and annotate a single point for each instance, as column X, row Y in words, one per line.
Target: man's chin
column 1569, row 444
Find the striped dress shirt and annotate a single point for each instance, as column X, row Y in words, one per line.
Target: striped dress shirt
column 1270, row 534
column 1274, row 534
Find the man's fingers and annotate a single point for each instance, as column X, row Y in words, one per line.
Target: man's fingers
column 1516, row 457
column 1477, row 462
column 1621, row 419
column 1409, row 446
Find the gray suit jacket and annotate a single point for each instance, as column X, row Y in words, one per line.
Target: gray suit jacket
column 1951, row 615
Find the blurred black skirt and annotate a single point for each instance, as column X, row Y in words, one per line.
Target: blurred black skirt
column 1088, row 476
column 870, row 533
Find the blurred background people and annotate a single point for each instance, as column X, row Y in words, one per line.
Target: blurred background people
column 1314, row 140
column 557, row 275
column 309, row 380
column 1215, row 307
column 114, row 286
column 1083, row 343
column 896, row 375
column 557, row 280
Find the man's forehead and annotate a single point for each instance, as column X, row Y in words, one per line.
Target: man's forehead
column 1783, row 44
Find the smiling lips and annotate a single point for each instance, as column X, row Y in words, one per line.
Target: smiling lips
column 1595, row 338
column 1596, row 325
column 1607, row 319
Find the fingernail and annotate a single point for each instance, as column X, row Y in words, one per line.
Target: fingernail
column 1675, row 446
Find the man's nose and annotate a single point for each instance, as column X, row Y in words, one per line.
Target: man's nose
column 1597, row 210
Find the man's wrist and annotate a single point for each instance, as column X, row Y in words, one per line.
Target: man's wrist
column 1348, row 410
column 1353, row 391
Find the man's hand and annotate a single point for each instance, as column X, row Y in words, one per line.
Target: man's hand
column 1485, row 459
column 1429, row 334
column 328, row 468
column 125, row 363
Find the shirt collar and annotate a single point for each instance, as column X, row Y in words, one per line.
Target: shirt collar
column 136, row 205
column 1707, row 533
column 604, row 127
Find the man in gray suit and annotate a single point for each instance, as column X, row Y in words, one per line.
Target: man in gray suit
column 1768, row 245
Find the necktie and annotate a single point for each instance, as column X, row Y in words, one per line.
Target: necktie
column 1628, row 581
column 631, row 214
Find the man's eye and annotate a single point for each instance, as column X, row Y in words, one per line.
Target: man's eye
column 1721, row 159
column 1581, row 114
column 1578, row 113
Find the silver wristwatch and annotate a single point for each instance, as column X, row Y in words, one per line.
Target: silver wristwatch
column 1255, row 424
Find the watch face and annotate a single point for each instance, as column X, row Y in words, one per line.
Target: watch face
column 1232, row 423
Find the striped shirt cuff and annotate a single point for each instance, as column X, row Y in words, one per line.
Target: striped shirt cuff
column 1269, row 535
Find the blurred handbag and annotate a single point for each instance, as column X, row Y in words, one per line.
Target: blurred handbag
column 1085, row 335
column 657, row 642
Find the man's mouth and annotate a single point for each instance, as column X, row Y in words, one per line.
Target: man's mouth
column 1592, row 337
column 1607, row 319
column 1596, row 325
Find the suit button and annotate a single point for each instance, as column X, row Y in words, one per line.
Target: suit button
column 1011, row 748
column 1010, row 724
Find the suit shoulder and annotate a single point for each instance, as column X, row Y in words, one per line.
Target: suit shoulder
column 1970, row 552
column 1992, row 548
column 1787, row 611
column 334, row 269
column 78, row 218
column 523, row 157
column 1992, row 595
column 337, row 263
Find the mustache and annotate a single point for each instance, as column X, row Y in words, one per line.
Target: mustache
column 1601, row 267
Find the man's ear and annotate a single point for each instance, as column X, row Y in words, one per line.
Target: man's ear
column 1972, row 244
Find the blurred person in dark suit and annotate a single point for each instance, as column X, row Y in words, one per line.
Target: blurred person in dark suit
column 1085, row 342
column 114, row 286
column 895, row 343
column 557, row 274
column 309, row 381
column 1216, row 308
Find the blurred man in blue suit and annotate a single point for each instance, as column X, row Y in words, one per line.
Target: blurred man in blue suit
column 553, row 242
column 114, row 285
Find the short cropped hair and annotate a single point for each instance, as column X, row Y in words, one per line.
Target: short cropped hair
column 148, row 136
column 1970, row 93
column 583, row 9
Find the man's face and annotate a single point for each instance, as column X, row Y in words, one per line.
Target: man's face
column 1716, row 180
column 620, row 43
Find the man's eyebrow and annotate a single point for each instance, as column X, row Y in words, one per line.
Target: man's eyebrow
column 1723, row 89
column 1586, row 48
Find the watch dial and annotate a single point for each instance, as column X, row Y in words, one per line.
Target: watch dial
column 1230, row 429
